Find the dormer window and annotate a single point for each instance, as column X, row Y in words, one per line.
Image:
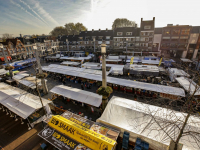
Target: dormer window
column 119, row 33
column 147, row 27
column 128, row 33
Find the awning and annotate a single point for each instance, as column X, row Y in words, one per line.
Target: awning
column 189, row 85
column 3, row 71
column 78, row 95
column 20, row 76
column 146, row 121
column 19, row 101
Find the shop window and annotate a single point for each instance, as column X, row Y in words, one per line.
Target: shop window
column 185, row 31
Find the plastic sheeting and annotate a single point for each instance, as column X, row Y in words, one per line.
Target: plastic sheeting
column 19, row 101
column 189, row 85
column 147, row 121
column 78, row 95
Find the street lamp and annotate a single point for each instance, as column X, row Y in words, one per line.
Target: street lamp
column 94, row 44
column 103, row 52
column 67, row 45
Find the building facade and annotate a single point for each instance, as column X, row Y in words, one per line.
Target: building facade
column 14, row 48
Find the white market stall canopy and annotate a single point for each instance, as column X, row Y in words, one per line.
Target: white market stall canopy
column 189, row 85
column 122, row 82
column 72, row 70
column 186, row 60
column 76, row 58
column 20, row 76
column 30, row 82
column 70, row 63
column 146, row 121
column 178, row 72
column 19, row 101
column 3, row 71
column 78, row 95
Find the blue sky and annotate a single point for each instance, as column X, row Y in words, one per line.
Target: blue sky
column 41, row 16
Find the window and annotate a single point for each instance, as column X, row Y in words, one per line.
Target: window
column 107, row 37
column 142, row 33
column 115, row 40
column 174, row 45
column 185, row 31
column 136, row 44
column 119, row 33
column 107, row 42
column 128, row 33
column 80, row 38
column 175, row 31
column 146, row 39
column 150, row 45
column 166, row 32
column 100, row 37
column 151, row 33
column 87, row 37
column 147, row 27
column 99, row 42
column 137, row 39
column 142, row 39
column 174, row 40
column 128, row 39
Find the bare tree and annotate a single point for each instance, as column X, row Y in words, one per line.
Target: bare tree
column 6, row 36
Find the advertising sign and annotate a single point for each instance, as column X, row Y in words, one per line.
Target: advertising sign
column 60, row 141
column 83, row 135
column 77, row 119
column 131, row 62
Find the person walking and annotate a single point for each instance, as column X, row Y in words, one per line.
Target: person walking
column 82, row 86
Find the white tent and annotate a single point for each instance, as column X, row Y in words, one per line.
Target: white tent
column 145, row 121
column 20, row 76
column 78, row 95
column 19, row 101
column 189, row 85
column 129, row 83
column 3, row 71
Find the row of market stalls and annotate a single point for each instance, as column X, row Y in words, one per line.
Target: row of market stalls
column 72, row 71
column 155, row 125
column 23, row 64
column 22, row 105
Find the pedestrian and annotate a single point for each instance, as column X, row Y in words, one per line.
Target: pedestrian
column 82, row 86
column 124, row 89
column 1, row 148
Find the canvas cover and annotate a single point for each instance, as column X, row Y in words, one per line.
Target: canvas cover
column 147, row 121
column 78, row 95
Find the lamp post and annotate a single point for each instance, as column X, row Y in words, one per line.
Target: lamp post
column 94, row 44
column 103, row 52
column 126, row 49
column 6, row 60
column 43, row 82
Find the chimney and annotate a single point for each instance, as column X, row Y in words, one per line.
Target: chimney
column 99, row 30
column 106, row 29
column 141, row 19
column 135, row 25
column 92, row 30
column 153, row 18
column 20, row 35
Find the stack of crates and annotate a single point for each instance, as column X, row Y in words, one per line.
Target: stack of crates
column 125, row 140
column 141, row 145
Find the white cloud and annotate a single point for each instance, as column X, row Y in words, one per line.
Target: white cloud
column 34, row 12
column 18, row 5
column 43, row 12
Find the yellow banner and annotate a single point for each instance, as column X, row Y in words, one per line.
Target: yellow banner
column 160, row 61
column 131, row 62
column 83, row 135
